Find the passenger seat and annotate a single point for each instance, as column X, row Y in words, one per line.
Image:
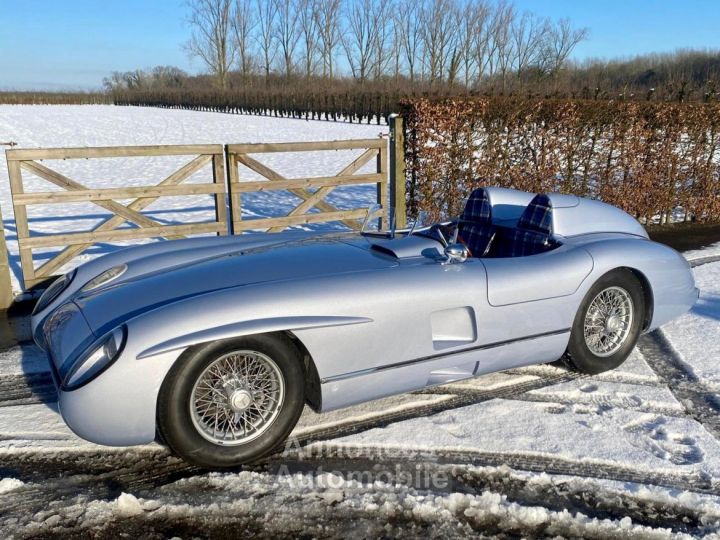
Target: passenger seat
column 532, row 234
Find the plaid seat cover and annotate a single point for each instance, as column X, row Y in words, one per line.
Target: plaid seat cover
column 475, row 228
column 537, row 216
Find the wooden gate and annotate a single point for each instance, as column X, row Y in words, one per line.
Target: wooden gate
column 373, row 149
column 73, row 191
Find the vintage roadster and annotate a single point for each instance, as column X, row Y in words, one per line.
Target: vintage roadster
column 214, row 345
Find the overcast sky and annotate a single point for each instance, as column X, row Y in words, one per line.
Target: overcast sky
column 73, row 44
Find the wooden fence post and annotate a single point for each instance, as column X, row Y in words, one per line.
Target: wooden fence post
column 6, row 294
column 397, row 170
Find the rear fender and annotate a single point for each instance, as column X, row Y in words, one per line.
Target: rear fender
column 665, row 271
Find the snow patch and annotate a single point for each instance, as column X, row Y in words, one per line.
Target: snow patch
column 10, row 484
column 696, row 335
column 128, row 505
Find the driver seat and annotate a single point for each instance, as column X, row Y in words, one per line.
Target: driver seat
column 475, row 228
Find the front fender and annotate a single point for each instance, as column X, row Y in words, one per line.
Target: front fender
column 246, row 328
column 119, row 406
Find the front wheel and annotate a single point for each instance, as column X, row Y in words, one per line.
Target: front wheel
column 231, row 402
column 607, row 324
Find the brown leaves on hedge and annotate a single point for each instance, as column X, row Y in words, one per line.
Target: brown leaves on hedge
column 650, row 159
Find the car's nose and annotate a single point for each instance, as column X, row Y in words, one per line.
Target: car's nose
column 66, row 334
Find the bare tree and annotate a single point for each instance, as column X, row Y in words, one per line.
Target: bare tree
column 210, row 40
column 307, row 19
column 359, row 38
column 383, row 38
column 266, row 12
column 167, row 76
column 244, row 23
column 327, row 18
column 473, row 18
column 528, row 33
column 456, row 43
column 437, row 31
column 483, row 46
column 114, row 82
column 157, row 77
column 287, row 31
column 501, row 35
column 560, row 41
column 407, row 22
column 396, row 45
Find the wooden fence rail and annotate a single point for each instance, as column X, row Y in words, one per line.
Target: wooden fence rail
column 224, row 162
column 240, row 154
column 26, row 161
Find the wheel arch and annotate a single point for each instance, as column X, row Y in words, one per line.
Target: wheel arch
column 313, row 391
column 647, row 295
column 313, row 395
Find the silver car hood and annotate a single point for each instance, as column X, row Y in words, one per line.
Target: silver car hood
column 108, row 307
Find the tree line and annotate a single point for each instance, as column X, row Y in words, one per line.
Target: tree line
column 406, row 47
column 435, row 42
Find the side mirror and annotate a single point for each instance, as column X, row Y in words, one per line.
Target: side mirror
column 456, row 253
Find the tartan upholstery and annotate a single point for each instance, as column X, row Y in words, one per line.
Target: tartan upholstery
column 519, row 243
column 532, row 234
column 475, row 229
column 477, row 207
column 537, row 216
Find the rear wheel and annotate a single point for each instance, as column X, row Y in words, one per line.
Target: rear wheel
column 231, row 402
column 607, row 324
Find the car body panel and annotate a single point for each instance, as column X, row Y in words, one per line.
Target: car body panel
column 526, row 279
column 376, row 316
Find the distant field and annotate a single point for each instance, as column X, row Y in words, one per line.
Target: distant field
column 105, row 125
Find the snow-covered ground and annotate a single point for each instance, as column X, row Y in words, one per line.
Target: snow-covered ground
column 48, row 126
column 538, row 451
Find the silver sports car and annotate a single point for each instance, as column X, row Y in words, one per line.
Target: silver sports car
column 214, row 345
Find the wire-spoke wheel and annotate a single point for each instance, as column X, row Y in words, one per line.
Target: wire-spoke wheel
column 608, row 323
column 237, row 397
column 233, row 401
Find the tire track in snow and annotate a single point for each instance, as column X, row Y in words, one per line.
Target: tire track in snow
column 590, row 499
column 599, row 405
column 696, row 482
column 108, row 477
column 694, row 263
column 701, row 403
column 26, row 389
column 111, row 474
column 74, row 461
column 553, row 494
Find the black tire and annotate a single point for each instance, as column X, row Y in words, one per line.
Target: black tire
column 579, row 355
column 174, row 416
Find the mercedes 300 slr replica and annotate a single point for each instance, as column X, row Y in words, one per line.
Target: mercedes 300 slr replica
column 215, row 345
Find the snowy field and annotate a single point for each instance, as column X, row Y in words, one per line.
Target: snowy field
column 532, row 452
column 47, row 126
